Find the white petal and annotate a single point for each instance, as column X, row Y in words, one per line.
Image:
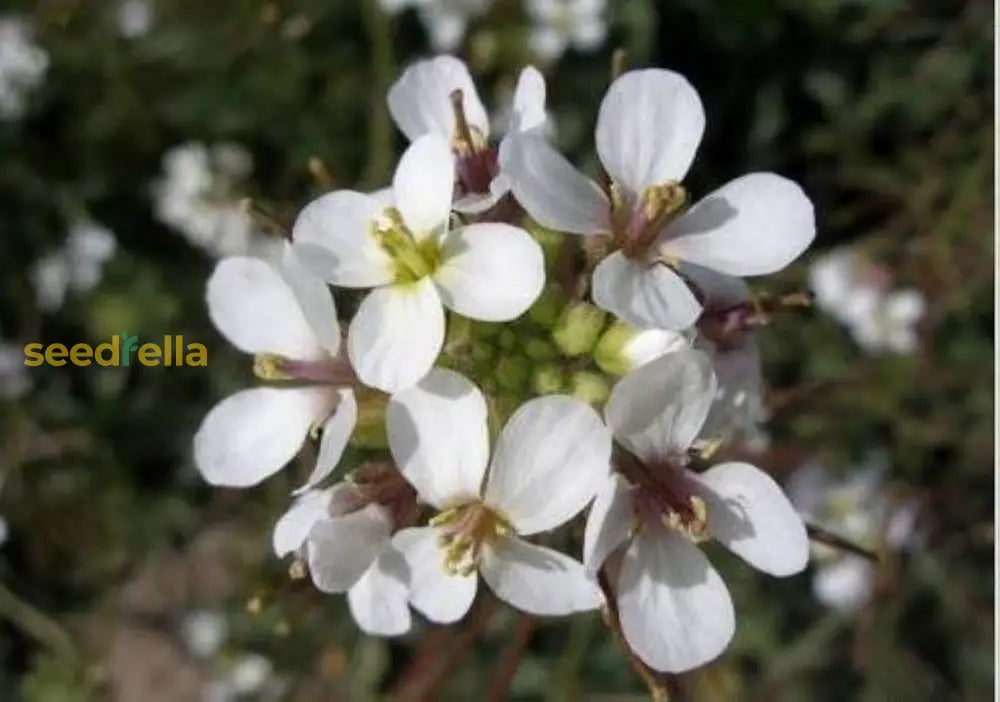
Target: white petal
column 256, row 310
column 536, row 579
column 756, row 224
column 396, row 335
column 550, row 460
column 648, row 128
column 314, row 299
column 659, row 408
column 440, row 597
column 529, row 100
column 550, row 189
column 294, row 526
column 420, row 101
column 739, row 403
column 490, row 272
column 645, row 296
column 336, row 432
column 423, row 185
column 715, row 290
column 750, row 515
column 341, row 549
column 252, row 434
column 379, row 600
column 608, row 522
column 675, row 610
column 333, row 239
column 438, row 437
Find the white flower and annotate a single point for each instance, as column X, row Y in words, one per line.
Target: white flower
column 675, row 610
column 204, row 631
column 557, row 24
column 549, row 458
column 444, row 20
column 417, row 265
column 198, row 195
column 858, row 508
column 648, row 128
column 77, row 267
column 855, row 292
column 287, row 318
column 135, row 18
column 344, row 534
column 420, row 103
column 22, row 65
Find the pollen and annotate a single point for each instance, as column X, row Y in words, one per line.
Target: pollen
column 464, row 530
column 413, row 259
column 691, row 520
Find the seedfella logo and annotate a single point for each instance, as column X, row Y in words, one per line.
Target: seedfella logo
column 119, row 352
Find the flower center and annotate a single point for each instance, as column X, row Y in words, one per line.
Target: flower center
column 636, row 225
column 413, row 258
column 464, row 530
column 663, row 493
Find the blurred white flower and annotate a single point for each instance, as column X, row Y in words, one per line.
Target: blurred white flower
column 22, row 65
column 856, row 292
column 135, row 18
column 444, row 20
column 251, row 676
column 857, row 507
column 558, row 24
column 204, row 632
column 420, row 103
column 675, row 610
column 548, row 461
column 77, row 267
column 417, row 265
column 648, row 129
column 287, row 319
column 198, row 195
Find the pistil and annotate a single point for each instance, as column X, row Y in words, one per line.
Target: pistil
column 464, row 530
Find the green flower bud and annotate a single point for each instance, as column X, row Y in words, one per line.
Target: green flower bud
column 589, row 386
column 459, row 336
column 507, row 339
column 482, row 351
column 547, row 307
column 578, row 328
column 622, row 347
column 540, row 350
column 547, row 379
column 512, row 373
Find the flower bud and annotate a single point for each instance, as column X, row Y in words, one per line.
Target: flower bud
column 590, row 387
column 540, row 350
column 512, row 373
column 578, row 328
column 623, row 347
column 547, row 379
column 550, row 240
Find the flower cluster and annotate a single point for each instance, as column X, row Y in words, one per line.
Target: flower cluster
column 527, row 342
column 23, row 64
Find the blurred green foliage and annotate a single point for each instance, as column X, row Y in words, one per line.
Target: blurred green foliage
column 882, row 109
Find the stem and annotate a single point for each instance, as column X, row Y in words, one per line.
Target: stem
column 35, row 623
column 510, row 659
column 818, row 533
column 657, row 690
column 380, row 126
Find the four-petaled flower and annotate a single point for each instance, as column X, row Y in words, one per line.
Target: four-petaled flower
column 287, row 318
column 549, row 459
column 648, row 128
column 416, row 262
column 675, row 610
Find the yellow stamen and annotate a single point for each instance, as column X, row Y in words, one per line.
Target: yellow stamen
column 267, row 366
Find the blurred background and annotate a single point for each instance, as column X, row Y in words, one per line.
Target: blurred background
column 131, row 129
